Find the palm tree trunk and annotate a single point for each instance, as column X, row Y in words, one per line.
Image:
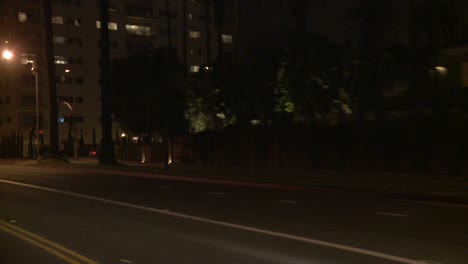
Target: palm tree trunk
column 208, row 33
column 219, row 23
column 168, row 24
column 107, row 148
column 53, row 151
column 184, row 36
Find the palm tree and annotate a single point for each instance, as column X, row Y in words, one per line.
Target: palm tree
column 168, row 24
column 107, row 148
column 219, row 23
column 53, row 151
column 184, row 35
column 208, row 31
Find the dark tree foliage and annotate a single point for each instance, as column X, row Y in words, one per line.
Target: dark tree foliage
column 376, row 22
column 148, row 94
column 278, row 83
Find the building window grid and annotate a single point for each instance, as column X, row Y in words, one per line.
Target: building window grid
column 110, row 25
column 71, row 99
column 64, row 80
column 195, row 34
column 60, row 60
column 67, row 40
column 226, row 38
column 57, row 20
column 28, row 16
column 167, row 13
column 194, row 68
column 139, row 11
column 22, row 17
column 138, row 30
column 67, row 2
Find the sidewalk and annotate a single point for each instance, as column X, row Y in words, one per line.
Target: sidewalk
column 441, row 188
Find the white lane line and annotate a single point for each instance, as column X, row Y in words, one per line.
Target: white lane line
column 287, row 201
column 217, row 193
column 125, row 261
column 430, row 262
column 393, row 214
column 323, row 243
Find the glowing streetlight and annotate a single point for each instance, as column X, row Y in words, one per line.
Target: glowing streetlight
column 7, row 54
column 441, row 70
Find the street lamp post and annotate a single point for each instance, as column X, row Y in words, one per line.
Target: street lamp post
column 8, row 55
column 74, row 122
column 36, row 77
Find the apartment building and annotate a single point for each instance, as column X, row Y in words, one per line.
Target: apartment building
column 188, row 27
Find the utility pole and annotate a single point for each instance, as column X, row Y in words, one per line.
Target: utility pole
column 107, row 148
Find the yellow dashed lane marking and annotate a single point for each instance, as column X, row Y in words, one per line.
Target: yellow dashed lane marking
column 45, row 244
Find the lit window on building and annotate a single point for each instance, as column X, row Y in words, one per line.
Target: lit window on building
column 226, row 38
column 60, row 60
column 22, row 17
column 74, row 22
column 27, row 58
column 59, row 39
column 138, row 30
column 194, row 68
column 57, row 20
column 30, row 16
column 195, row 34
column 110, row 25
column 190, row 17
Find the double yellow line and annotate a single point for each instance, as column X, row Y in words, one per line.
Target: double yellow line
column 55, row 249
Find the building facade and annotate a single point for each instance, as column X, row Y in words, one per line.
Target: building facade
column 193, row 29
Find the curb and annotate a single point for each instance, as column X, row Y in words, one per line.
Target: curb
column 290, row 187
column 278, row 186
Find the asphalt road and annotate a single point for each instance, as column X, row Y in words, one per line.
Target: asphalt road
column 73, row 216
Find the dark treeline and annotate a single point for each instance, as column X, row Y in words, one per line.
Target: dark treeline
column 293, row 99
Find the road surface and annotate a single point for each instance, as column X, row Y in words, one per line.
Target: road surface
column 52, row 215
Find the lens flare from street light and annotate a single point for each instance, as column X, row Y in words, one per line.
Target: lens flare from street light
column 7, row 54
